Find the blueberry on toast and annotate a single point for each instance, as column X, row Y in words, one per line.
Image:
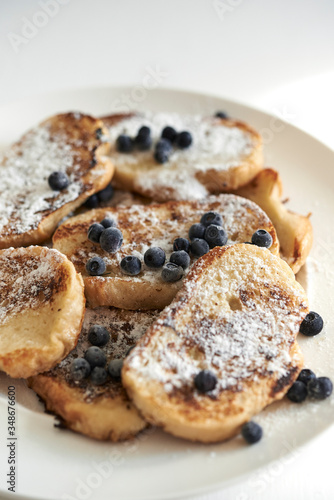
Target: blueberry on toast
column 144, row 227
column 99, row 411
column 205, row 155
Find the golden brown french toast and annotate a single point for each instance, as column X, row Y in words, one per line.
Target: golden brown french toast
column 225, row 154
column 99, row 411
column 42, row 305
column 71, row 143
column 144, row 227
column 225, row 347
column 294, row 231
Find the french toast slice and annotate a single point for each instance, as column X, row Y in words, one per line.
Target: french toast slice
column 225, row 154
column 42, row 306
column 73, row 143
column 294, row 231
column 143, row 227
column 101, row 412
column 237, row 316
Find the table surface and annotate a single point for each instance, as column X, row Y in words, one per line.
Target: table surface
column 276, row 55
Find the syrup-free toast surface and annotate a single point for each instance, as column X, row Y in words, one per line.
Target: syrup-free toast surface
column 225, row 154
column 102, row 412
column 41, row 309
column 143, row 227
column 237, row 315
column 30, row 210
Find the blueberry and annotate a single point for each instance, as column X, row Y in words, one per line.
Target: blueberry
column 95, row 356
column 98, row 335
column 162, row 151
column 216, row 236
column 251, row 432
column 164, row 145
column 305, row 376
column 111, row 240
column 99, row 376
column 130, row 349
column 196, row 231
column 262, row 238
column 108, row 223
column 161, row 156
column 124, row 144
column 320, row 388
column 96, row 266
column 181, row 244
column 92, row 201
column 171, row 272
column 184, row 140
column 80, row 369
column 297, row 392
column 154, row 257
column 98, row 133
column 211, row 218
column 312, row 324
column 130, row 265
column 205, row 381
column 199, row 247
column 94, row 232
column 144, row 131
column 115, row 368
column 180, row 258
column 105, row 194
column 143, row 140
column 58, row 181
column 169, row 133
column 222, row 115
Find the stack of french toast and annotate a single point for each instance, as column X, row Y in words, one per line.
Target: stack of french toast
column 147, row 274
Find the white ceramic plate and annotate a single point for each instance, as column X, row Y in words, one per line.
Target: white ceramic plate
column 55, row 464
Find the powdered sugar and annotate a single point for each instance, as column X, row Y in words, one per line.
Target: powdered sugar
column 25, row 195
column 158, row 225
column 26, row 279
column 248, row 337
column 215, row 146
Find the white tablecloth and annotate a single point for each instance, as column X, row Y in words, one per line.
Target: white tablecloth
column 273, row 54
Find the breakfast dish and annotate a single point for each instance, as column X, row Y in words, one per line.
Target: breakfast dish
column 49, row 172
column 98, row 409
column 210, row 261
column 41, row 309
column 204, row 154
column 143, row 228
column 225, row 347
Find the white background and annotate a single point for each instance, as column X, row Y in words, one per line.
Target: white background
column 274, row 54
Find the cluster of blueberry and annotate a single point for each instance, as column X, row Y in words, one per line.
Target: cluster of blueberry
column 109, row 238
column 307, row 384
column 94, row 362
column 143, row 141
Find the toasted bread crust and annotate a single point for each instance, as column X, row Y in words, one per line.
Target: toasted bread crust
column 101, row 412
column 294, row 231
column 143, row 227
column 133, row 174
column 221, row 306
column 72, row 139
column 42, row 302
